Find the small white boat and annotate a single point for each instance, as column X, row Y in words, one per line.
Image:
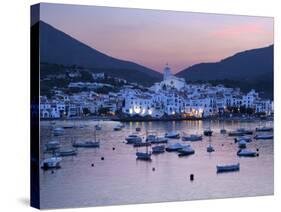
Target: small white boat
column 246, row 153
column 242, row 144
column 143, row 156
column 192, row 137
column 117, row 128
column 172, row 134
column 153, row 139
column 174, row 147
column 131, row 139
column 228, row 168
column 158, row 149
column 264, row 137
column 185, row 151
column 58, row 131
column 66, row 152
column 86, row 144
column 52, row 145
column 264, row 129
column 51, row 163
column 246, row 138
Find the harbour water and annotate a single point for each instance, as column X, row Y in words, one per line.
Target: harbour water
column 86, row 180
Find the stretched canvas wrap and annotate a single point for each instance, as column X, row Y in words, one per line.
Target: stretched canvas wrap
column 141, row 106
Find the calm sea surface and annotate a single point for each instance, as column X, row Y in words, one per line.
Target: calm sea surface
column 121, row 179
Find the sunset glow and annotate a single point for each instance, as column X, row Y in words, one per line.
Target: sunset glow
column 152, row 37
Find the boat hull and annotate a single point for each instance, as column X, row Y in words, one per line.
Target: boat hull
column 263, row 137
column 228, row 168
column 143, row 156
column 86, row 145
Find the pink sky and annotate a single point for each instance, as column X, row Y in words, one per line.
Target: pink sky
column 152, row 37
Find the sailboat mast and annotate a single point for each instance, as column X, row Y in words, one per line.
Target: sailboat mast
column 146, row 142
column 95, row 134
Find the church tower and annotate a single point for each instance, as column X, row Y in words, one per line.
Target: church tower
column 166, row 72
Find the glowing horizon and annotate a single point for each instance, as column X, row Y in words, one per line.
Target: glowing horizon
column 154, row 37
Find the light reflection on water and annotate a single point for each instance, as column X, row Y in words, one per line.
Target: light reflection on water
column 121, row 179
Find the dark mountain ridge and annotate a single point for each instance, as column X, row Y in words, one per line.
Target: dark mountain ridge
column 56, row 47
column 245, row 69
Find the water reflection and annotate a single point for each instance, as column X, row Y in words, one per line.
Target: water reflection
column 121, row 179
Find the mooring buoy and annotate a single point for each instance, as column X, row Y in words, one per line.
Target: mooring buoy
column 191, row 177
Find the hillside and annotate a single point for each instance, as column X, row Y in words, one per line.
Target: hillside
column 248, row 69
column 56, row 47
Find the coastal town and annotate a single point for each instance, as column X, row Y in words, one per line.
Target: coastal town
column 172, row 97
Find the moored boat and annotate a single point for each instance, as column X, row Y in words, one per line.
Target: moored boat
column 242, row 144
column 58, row 131
column 172, row 134
column 86, row 144
column 98, row 127
column 208, row 132
column 264, row 129
column 210, row 149
column 246, row 153
column 131, row 139
column 138, row 129
column 68, row 127
column 66, row 152
column 118, row 127
column 228, row 168
column 143, row 156
column 174, row 147
column 245, row 131
column 185, row 151
column 51, row 163
column 153, row 139
column 264, row 137
column 223, row 131
column 141, row 144
column 246, row 138
column 52, row 145
column 235, row 133
column 192, row 137
column 158, row 149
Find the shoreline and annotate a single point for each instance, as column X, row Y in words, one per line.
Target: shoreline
column 166, row 119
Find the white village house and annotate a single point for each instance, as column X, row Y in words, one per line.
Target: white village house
column 171, row 96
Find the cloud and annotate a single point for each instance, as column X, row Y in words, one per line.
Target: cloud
column 237, row 31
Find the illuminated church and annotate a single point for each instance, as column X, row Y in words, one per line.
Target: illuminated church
column 169, row 81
